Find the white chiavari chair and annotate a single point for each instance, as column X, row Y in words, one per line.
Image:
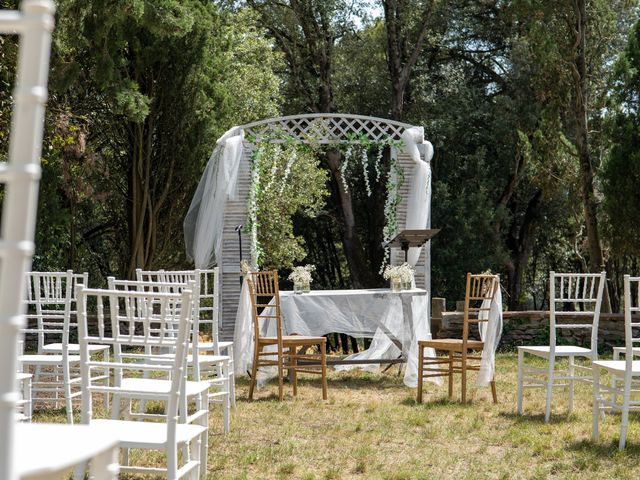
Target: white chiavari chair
column 216, row 390
column 207, row 282
column 583, row 291
column 135, row 323
column 622, row 394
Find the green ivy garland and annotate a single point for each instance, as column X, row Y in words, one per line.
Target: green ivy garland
column 354, row 148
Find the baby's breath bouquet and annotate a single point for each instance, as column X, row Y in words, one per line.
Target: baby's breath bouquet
column 301, row 278
column 399, row 275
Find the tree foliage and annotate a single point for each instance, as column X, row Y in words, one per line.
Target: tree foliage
column 292, row 183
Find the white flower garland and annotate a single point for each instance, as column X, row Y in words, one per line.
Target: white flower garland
column 344, row 165
column 254, row 191
column 394, row 181
column 293, row 156
column 365, row 166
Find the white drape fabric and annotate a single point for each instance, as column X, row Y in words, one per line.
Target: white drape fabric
column 419, row 201
column 395, row 321
column 204, row 222
column 490, row 333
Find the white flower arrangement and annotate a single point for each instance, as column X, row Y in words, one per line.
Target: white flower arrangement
column 245, row 268
column 302, row 274
column 399, row 273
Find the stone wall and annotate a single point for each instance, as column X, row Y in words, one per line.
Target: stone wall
column 532, row 328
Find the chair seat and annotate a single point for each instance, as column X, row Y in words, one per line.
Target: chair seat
column 618, row 366
column 46, row 359
column 209, row 345
column 159, row 386
column 561, row 351
column 133, row 434
column 451, row 344
column 73, row 348
column 296, row 340
column 202, row 359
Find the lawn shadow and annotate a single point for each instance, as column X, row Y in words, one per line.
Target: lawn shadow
column 536, row 418
column 604, row 450
column 257, row 398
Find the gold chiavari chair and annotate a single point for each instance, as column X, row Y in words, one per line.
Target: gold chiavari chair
column 463, row 354
column 291, row 353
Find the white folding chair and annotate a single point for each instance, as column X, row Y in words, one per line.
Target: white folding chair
column 207, row 282
column 138, row 322
column 582, row 290
column 57, row 376
column 623, row 373
column 52, row 318
column 216, row 389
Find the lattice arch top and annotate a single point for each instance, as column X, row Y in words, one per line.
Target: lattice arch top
column 325, row 128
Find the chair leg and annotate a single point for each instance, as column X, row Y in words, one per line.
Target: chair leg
column 520, row 380
column 571, row 382
column 464, row 377
column 450, row 376
column 172, row 462
column 226, row 406
column 494, row 392
column 596, row 405
column 420, row 373
column 254, row 370
column 66, row 376
column 105, row 373
column 280, row 374
column 203, row 404
column 624, row 421
column 550, row 375
column 323, row 355
column 232, row 378
column 293, row 361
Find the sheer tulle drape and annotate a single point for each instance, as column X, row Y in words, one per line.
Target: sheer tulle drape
column 204, row 222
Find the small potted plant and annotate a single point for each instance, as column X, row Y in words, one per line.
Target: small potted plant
column 301, row 278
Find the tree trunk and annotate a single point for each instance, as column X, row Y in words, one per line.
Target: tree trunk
column 581, row 85
column 520, row 243
column 358, row 268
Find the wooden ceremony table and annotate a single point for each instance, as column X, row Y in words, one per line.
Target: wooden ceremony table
column 394, row 320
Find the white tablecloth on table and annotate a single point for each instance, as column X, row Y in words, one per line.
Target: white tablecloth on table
column 392, row 319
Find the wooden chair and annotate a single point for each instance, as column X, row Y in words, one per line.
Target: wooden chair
column 291, row 349
column 462, row 353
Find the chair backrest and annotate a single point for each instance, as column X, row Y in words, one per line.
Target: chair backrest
column 137, row 320
column 207, row 287
column 174, row 288
column 631, row 313
column 51, row 305
column 265, row 301
column 583, row 292
column 479, row 292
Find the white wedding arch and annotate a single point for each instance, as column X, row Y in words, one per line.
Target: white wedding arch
column 220, row 203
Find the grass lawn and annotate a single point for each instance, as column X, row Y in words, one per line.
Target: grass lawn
column 372, row 428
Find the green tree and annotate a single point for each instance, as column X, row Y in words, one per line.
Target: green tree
column 621, row 172
column 140, row 90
